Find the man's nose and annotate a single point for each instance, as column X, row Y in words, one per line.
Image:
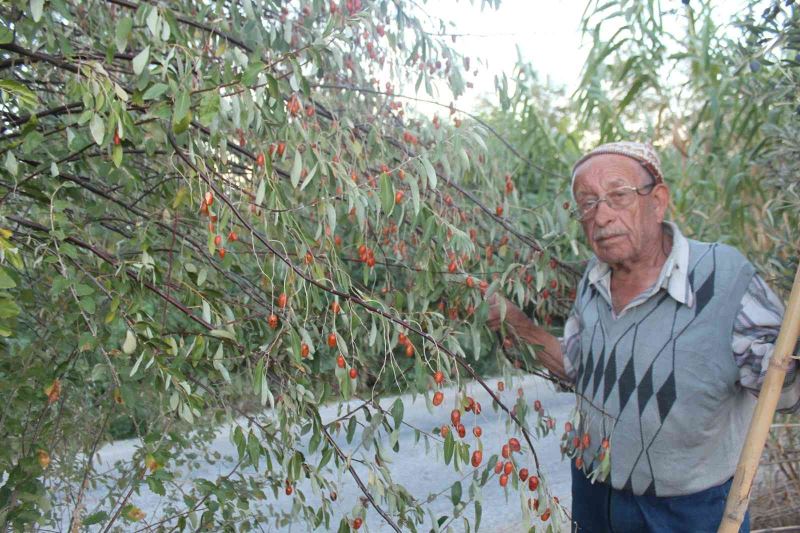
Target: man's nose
column 604, row 214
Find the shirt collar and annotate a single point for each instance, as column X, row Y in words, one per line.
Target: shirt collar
column 674, row 276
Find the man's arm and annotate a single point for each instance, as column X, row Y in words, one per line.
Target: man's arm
column 523, row 328
column 754, row 334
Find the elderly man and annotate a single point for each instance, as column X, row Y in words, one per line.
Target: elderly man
column 667, row 345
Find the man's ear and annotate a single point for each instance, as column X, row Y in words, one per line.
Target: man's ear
column 661, row 199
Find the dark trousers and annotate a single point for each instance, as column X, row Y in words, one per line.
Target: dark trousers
column 599, row 508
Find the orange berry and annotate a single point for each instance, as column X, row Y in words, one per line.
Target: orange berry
column 304, row 350
column 409, row 350
column 503, row 480
column 477, row 458
column 282, row 300
column 438, row 397
column 438, row 377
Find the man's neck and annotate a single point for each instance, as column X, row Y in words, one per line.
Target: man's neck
column 640, row 273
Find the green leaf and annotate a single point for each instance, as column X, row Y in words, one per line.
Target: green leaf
column 181, row 110
column 37, row 6
column 26, row 97
column 116, row 155
column 449, row 447
column 455, row 492
column 6, row 281
column 222, row 334
column 397, row 412
column 11, row 163
column 122, row 32
column 129, row 345
column 387, row 193
column 154, row 91
column 141, row 59
column 478, row 514
column 260, row 191
column 98, row 129
column 430, row 172
column 297, row 168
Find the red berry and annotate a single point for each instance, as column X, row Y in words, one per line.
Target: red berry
column 452, row 267
column 445, row 431
column 503, row 480
column 545, row 515
column 409, row 350
column 217, row 240
column 523, row 474
column 498, row 467
column 604, row 444
column 499, row 210
column 513, row 444
column 553, row 284
column 260, row 160
column 470, row 282
column 398, row 197
column 304, row 350
column 586, row 440
column 282, row 300
column 353, row 373
column 455, row 417
column 357, row 523
column 335, row 307
column 537, row 406
column 289, row 490
column 533, row 482
column 477, row 458
column 332, row 340
column 438, row 377
column 505, row 451
column 117, row 140
column 579, row 462
column 508, row 467
column 477, row 431
column 438, row 397
column 222, row 253
column 568, row 427
column 232, row 236
column 462, row 431
column 273, row 321
column 209, row 198
column 340, row 361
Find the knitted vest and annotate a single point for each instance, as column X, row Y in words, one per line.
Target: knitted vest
column 660, row 382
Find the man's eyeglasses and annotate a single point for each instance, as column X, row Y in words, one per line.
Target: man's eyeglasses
column 617, row 199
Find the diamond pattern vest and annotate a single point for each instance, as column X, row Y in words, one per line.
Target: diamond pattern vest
column 660, row 382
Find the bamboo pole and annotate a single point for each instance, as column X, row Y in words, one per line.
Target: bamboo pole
column 739, row 496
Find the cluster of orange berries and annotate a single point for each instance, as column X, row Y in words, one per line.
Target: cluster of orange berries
column 403, row 339
column 366, row 255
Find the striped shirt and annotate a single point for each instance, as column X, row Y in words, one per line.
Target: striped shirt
column 754, row 333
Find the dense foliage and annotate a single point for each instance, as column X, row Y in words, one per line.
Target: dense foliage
column 214, row 207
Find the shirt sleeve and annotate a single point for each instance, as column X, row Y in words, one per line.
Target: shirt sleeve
column 754, row 334
column 570, row 345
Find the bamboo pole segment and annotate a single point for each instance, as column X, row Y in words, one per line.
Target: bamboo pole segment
column 739, row 496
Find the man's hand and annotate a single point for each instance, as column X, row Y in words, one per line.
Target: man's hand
column 494, row 320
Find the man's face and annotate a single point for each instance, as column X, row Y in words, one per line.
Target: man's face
column 628, row 234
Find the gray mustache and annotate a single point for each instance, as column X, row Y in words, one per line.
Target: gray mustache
column 606, row 234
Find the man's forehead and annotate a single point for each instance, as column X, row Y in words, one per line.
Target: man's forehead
column 608, row 170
